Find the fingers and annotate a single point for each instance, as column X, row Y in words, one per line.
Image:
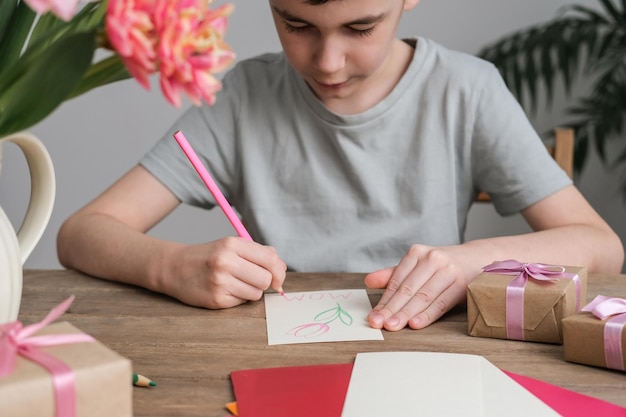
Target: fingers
column 230, row 271
column 408, row 293
column 250, row 262
column 379, row 279
column 268, row 268
column 423, row 287
column 408, row 277
column 448, row 299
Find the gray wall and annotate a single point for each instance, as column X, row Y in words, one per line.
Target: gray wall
column 97, row 137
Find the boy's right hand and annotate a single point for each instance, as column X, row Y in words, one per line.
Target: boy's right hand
column 223, row 273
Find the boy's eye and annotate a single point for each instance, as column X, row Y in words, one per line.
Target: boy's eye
column 299, row 28
column 361, row 32
column 295, row 29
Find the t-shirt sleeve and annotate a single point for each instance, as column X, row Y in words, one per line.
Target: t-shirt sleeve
column 509, row 160
column 210, row 131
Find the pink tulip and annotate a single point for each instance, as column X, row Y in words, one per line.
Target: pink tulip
column 180, row 39
column 309, row 330
column 191, row 49
column 64, row 9
column 131, row 32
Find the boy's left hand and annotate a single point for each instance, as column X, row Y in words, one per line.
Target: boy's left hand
column 426, row 283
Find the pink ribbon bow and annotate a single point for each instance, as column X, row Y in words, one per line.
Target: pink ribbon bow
column 515, row 289
column 16, row 339
column 603, row 307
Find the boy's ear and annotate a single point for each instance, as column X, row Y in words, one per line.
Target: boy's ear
column 409, row 4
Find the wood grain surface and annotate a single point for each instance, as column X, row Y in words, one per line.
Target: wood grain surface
column 190, row 351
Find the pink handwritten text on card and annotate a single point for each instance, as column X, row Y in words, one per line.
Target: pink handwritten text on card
column 317, row 296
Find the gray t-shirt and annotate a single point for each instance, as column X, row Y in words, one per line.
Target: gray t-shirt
column 353, row 193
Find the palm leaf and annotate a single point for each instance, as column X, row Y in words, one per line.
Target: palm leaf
column 578, row 41
column 611, row 10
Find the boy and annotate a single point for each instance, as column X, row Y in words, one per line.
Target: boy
column 351, row 151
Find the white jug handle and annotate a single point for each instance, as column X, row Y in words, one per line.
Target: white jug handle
column 42, row 191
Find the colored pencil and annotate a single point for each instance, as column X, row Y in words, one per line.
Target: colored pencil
column 141, row 381
column 213, row 188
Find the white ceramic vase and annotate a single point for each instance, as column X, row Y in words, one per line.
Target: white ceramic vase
column 15, row 248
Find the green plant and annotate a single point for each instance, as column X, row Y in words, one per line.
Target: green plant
column 578, row 42
column 48, row 51
column 45, row 60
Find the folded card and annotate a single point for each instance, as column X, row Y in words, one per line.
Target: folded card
column 409, row 384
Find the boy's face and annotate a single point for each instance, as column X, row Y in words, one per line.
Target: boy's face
column 342, row 48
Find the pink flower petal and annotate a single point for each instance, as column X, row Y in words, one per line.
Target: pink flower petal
column 64, row 9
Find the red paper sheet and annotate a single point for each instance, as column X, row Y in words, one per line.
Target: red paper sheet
column 303, row 391
column 568, row 403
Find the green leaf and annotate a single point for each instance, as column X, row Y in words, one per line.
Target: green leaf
column 578, row 38
column 16, row 34
column 37, row 85
column 580, row 149
column 611, row 10
column 50, row 28
column 107, row 71
column 547, row 73
column 531, row 77
column 7, row 7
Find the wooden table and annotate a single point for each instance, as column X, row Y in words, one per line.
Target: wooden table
column 190, row 352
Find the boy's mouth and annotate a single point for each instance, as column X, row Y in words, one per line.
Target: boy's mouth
column 332, row 85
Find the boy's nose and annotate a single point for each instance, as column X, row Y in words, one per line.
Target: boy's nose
column 329, row 57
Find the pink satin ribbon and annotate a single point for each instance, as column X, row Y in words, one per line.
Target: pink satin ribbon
column 16, row 339
column 515, row 289
column 603, row 307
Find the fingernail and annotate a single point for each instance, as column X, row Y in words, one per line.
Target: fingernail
column 393, row 322
column 377, row 318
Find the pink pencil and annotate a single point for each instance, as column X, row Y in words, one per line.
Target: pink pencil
column 211, row 185
column 213, row 188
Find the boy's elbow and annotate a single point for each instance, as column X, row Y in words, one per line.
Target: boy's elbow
column 611, row 255
column 619, row 256
column 64, row 239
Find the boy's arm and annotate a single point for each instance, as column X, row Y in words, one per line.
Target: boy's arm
column 429, row 281
column 107, row 239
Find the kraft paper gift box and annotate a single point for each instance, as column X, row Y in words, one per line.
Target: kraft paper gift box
column 102, row 378
column 596, row 335
column 524, row 301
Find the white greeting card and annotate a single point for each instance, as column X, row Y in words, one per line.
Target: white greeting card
column 318, row 316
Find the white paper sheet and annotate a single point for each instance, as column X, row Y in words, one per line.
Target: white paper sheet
column 318, row 316
column 410, row 384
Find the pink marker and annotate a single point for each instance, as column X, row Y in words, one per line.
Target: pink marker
column 213, row 188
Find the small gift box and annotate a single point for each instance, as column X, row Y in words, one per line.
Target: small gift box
column 596, row 335
column 58, row 371
column 524, row 301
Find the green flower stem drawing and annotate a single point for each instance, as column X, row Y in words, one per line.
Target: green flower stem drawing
column 332, row 314
column 321, row 324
